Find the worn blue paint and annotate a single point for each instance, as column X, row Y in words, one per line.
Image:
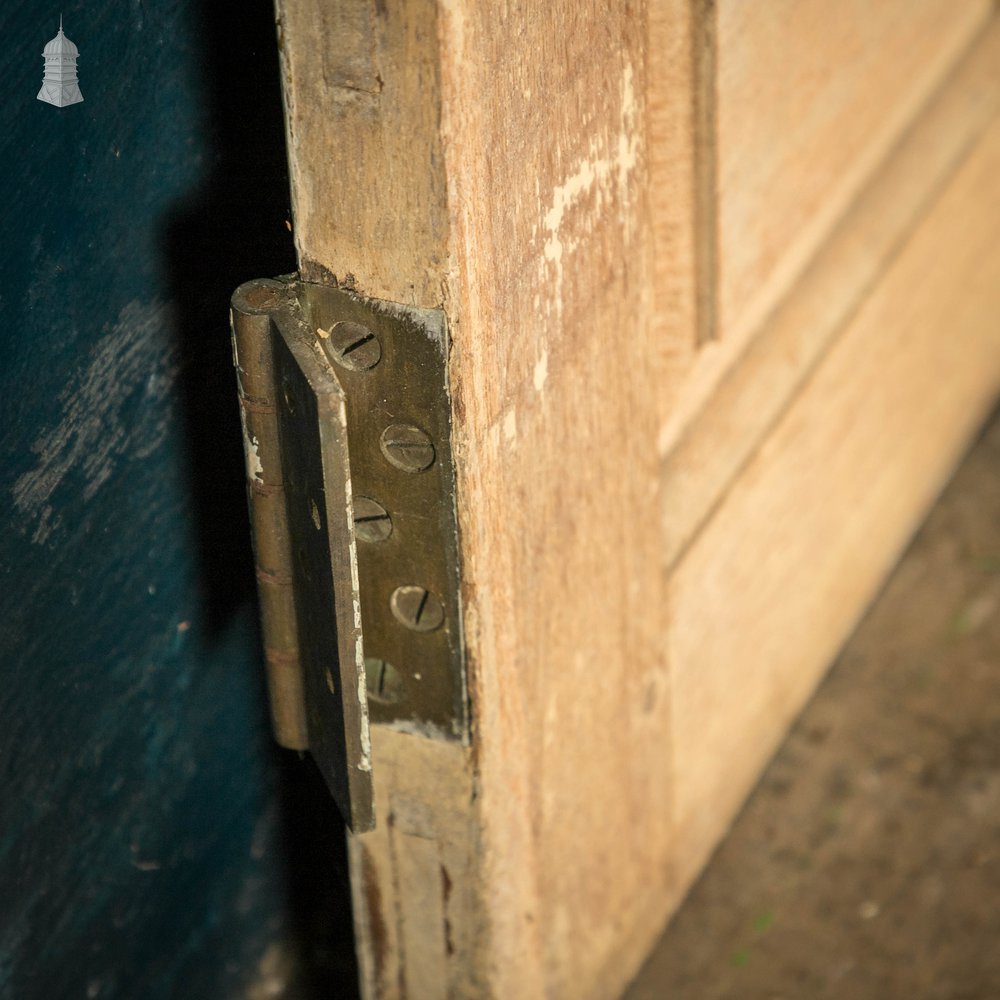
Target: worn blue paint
column 152, row 841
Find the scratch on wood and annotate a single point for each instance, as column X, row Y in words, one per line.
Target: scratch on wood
column 377, row 933
column 449, row 944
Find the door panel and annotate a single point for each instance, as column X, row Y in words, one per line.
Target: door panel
column 807, row 101
column 822, row 511
column 811, row 97
column 750, row 397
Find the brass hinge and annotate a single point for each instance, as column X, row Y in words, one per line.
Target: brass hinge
column 347, row 428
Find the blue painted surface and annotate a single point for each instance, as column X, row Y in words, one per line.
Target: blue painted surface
column 152, row 841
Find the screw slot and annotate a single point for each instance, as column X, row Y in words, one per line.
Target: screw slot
column 371, row 520
column 383, row 681
column 417, row 608
column 407, row 447
column 353, row 346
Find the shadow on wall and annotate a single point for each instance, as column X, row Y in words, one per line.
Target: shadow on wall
column 231, row 229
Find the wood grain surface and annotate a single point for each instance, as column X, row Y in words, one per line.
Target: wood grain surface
column 764, row 598
column 557, row 400
column 811, row 97
column 752, row 394
column 361, row 115
column 810, row 100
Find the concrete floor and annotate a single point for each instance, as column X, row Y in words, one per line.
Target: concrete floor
column 867, row 862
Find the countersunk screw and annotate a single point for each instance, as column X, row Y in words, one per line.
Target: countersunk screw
column 371, row 520
column 416, row 608
column 353, row 346
column 383, row 681
column 407, row 447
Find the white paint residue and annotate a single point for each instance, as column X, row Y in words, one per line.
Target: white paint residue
column 510, row 425
column 349, row 513
column 253, row 460
column 365, row 764
column 314, row 514
column 541, row 371
column 627, row 156
column 563, row 198
column 100, row 423
column 604, row 172
column 250, row 449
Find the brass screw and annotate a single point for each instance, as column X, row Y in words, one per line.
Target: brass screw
column 417, row 608
column 353, row 346
column 371, row 520
column 407, row 447
column 383, row 681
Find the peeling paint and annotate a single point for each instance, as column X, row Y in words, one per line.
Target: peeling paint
column 251, row 449
column 98, row 424
column 365, row 764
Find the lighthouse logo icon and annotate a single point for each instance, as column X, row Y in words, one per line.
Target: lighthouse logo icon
column 59, row 85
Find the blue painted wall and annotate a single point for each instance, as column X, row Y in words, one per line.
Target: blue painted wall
column 153, row 843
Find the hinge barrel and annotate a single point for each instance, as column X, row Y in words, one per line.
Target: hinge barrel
column 253, row 357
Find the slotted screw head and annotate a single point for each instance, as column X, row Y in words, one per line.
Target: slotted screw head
column 407, row 447
column 417, row 608
column 353, row 346
column 371, row 520
column 383, row 681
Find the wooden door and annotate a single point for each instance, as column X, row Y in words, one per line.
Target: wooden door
column 721, row 281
